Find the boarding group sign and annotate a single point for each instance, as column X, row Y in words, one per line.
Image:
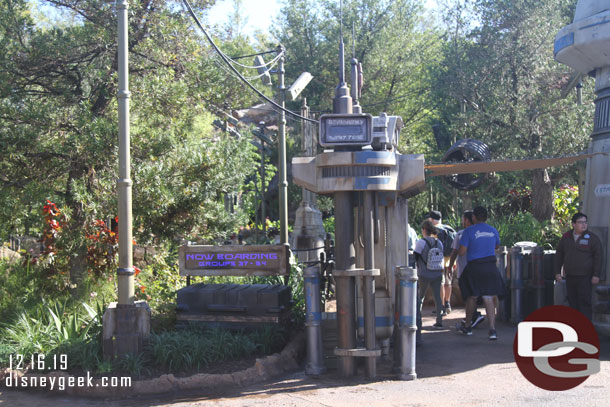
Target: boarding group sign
column 234, row 260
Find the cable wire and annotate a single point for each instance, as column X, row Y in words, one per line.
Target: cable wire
column 270, row 63
column 253, row 55
column 259, row 93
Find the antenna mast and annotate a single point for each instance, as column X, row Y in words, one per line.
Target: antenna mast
column 341, row 46
column 342, row 102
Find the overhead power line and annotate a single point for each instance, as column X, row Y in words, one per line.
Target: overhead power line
column 226, row 60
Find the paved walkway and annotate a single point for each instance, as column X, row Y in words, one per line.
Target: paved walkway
column 452, row 369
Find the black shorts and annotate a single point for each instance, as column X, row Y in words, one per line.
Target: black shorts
column 481, row 277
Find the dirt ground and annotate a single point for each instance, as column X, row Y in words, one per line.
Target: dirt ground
column 452, row 370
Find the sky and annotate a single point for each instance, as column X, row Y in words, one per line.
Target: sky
column 260, row 13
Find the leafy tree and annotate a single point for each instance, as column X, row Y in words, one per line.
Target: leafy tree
column 390, row 43
column 500, row 84
column 58, row 133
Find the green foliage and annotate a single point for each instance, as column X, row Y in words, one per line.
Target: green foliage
column 56, row 328
column 499, row 83
column 329, row 224
column 193, row 349
column 390, row 43
column 566, row 204
column 157, row 284
column 133, row 364
column 522, row 227
column 58, row 132
column 297, row 284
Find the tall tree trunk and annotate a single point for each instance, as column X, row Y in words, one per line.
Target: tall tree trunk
column 542, row 195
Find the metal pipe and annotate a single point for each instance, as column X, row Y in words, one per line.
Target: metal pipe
column 407, row 327
column 354, row 91
column 256, row 197
column 516, row 284
column 125, row 272
column 308, row 148
column 345, row 259
column 537, row 257
column 369, row 284
column 263, row 209
column 313, row 321
column 283, row 184
column 501, row 262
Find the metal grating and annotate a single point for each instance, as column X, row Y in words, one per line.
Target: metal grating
column 355, row 171
column 602, row 111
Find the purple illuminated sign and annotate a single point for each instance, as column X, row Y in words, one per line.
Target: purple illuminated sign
column 234, row 260
column 230, row 259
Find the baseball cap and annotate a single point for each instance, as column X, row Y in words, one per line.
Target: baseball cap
column 436, row 215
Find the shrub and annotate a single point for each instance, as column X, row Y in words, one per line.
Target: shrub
column 524, row 227
column 55, row 328
column 195, row 349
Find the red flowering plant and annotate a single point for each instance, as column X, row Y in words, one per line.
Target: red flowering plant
column 53, row 266
column 102, row 245
column 54, row 222
column 139, row 288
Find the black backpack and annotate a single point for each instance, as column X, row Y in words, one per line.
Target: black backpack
column 446, row 234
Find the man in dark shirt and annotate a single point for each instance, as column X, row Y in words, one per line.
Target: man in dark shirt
column 580, row 254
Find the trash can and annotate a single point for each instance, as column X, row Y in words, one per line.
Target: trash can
column 531, row 279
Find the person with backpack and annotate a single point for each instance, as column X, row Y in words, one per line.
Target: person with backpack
column 429, row 258
column 447, row 235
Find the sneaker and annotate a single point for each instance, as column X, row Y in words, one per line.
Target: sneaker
column 438, row 325
column 461, row 327
column 447, row 308
column 443, row 312
column 492, row 335
column 477, row 319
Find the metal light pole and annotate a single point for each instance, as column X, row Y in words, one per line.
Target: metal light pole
column 283, row 184
column 294, row 90
column 125, row 271
column 263, row 214
column 126, row 324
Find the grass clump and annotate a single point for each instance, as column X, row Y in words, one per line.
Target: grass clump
column 195, row 349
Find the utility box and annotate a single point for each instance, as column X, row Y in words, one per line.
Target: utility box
column 234, row 305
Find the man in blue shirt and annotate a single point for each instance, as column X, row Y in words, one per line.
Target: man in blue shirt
column 481, row 277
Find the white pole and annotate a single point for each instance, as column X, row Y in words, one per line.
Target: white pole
column 125, row 271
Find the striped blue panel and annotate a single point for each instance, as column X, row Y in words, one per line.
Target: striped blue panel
column 379, row 321
column 362, row 157
column 314, row 316
column 407, row 320
column 362, row 183
column 563, row 42
column 312, row 280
